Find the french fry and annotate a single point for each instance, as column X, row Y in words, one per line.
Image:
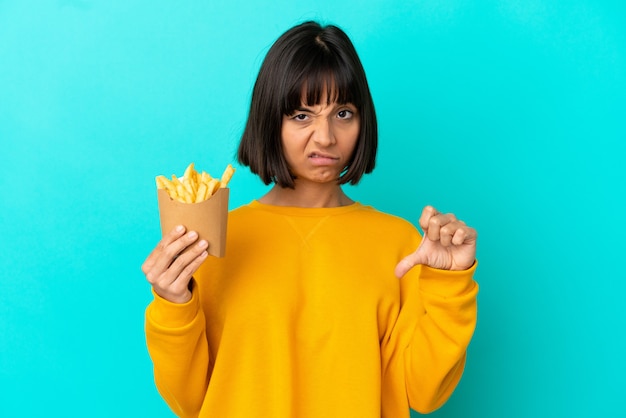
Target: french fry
column 212, row 186
column 205, row 177
column 189, row 179
column 183, row 193
column 161, row 182
column 193, row 186
column 176, row 181
column 188, row 185
column 165, row 183
column 189, row 171
column 202, row 193
column 227, row 175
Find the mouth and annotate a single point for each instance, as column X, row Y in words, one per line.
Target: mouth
column 319, row 159
column 319, row 155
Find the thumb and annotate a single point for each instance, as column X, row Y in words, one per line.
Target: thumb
column 408, row 262
column 411, row 260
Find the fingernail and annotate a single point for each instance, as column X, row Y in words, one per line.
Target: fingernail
column 193, row 235
column 180, row 228
column 203, row 244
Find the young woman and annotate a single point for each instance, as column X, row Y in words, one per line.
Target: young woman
column 322, row 306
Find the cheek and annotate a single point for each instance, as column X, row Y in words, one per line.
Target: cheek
column 350, row 140
column 292, row 145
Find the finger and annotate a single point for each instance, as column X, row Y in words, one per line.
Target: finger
column 435, row 224
column 458, row 237
column 407, row 263
column 174, row 250
column 167, row 253
column 172, row 283
column 167, row 239
column 427, row 213
column 448, row 231
column 403, row 267
column 464, row 235
column 175, row 288
column 177, row 269
column 174, row 234
column 185, row 266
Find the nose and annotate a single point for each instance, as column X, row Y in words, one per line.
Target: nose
column 323, row 133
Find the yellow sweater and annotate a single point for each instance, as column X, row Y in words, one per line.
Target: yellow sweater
column 304, row 317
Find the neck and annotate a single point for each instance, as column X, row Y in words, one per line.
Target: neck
column 307, row 196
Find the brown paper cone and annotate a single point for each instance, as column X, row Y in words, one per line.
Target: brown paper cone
column 208, row 218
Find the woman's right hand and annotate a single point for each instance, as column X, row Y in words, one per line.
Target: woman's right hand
column 171, row 265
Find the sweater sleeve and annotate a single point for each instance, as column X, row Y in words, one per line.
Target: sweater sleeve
column 435, row 356
column 177, row 344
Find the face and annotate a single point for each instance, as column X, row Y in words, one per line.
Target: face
column 319, row 140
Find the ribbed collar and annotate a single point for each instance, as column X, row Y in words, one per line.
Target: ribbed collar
column 299, row 211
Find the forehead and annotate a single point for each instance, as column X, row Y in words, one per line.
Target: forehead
column 319, row 90
column 323, row 93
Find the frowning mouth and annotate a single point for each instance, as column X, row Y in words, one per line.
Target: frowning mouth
column 320, row 159
column 322, row 156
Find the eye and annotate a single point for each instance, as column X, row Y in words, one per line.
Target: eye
column 299, row 116
column 345, row 114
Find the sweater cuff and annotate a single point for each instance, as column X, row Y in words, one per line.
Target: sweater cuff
column 447, row 283
column 174, row 315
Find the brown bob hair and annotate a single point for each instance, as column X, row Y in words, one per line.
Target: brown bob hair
column 307, row 62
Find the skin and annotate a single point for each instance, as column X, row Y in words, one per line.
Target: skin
column 171, row 265
column 318, row 142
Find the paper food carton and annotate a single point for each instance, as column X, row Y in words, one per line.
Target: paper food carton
column 208, row 218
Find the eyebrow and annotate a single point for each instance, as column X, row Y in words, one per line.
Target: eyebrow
column 335, row 105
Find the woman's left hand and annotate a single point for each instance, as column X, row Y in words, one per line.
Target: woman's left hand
column 447, row 244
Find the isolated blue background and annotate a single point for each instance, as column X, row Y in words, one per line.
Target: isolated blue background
column 510, row 114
